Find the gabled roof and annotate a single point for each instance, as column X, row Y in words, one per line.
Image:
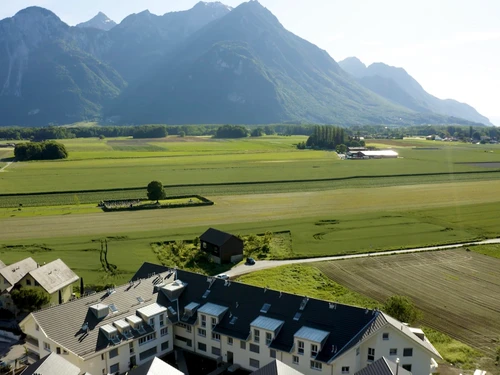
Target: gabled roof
column 63, row 323
column 54, row 276
column 276, row 368
column 155, row 367
column 383, row 366
column 52, row 364
column 16, row 271
column 216, row 237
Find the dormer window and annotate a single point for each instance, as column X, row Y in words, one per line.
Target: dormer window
column 256, row 335
column 300, row 347
column 314, row 350
column 269, row 338
column 152, row 322
column 203, row 320
column 214, row 322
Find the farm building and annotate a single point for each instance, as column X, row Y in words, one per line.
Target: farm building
column 223, row 247
column 378, row 154
column 228, row 322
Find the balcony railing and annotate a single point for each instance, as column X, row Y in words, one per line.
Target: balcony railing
column 32, row 341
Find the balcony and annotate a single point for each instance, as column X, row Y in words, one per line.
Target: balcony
column 32, row 342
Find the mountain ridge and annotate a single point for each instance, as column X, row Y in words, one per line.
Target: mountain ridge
column 391, row 82
column 100, row 21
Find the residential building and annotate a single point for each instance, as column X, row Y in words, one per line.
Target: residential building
column 56, row 278
column 376, row 154
column 230, row 322
column 276, row 368
column 223, row 247
column 52, row 364
column 155, row 367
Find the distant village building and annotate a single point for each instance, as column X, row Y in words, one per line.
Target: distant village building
column 56, row 278
column 223, row 247
column 376, row 154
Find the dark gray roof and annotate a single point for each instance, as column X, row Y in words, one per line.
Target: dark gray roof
column 383, row 366
column 52, row 364
column 147, row 270
column 276, row 368
column 216, row 237
column 63, row 323
column 155, row 367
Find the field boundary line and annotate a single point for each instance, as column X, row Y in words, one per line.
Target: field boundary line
column 9, row 163
column 245, row 183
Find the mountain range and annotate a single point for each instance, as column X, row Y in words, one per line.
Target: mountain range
column 208, row 64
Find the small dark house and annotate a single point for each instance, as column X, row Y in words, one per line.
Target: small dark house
column 222, row 246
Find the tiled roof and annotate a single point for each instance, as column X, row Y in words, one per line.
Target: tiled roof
column 155, row 367
column 383, row 366
column 215, row 237
column 63, row 323
column 54, row 276
column 52, row 364
column 276, row 368
column 16, row 271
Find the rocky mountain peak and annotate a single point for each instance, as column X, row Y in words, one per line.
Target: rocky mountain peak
column 100, row 21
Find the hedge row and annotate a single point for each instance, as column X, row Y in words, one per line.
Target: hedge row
column 204, row 202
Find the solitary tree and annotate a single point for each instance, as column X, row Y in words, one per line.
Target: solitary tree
column 30, row 298
column 402, row 308
column 156, row 191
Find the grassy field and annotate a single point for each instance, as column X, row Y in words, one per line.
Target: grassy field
column 121, row 163
column 457, row 290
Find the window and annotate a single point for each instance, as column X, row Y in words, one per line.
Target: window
column 102, row 357
column 256, row 335
column 185, row 326
column 316, row 365
column 28, row 282
column 243, row 345
column 202, row 347
column 214, row 322
column 147, row 353
column 295, row 360
column 314, row 350
column 300, row 347
column 164, row 331
column 184, row 339
column 371, row 354
column 113, row 353
column 37, row 327
column 215, row 350
column 385, row 336
column 188, row 329
column 114, row 368
column 345, row 369
column 269, row 338
column 407, row 367
column 272, row 353
column 58, row 350
column 162, row 321
column 203, row 320
column 230, row 341
column 254, row 348
column 46, row 346
column 164, row 345
column 215, row 336
column 254, row 363
column 202, row 332
column 131, row 347
column 393, row 352
column 148, row 338
column 407, row 352
column 152, row 322
column 357, row 351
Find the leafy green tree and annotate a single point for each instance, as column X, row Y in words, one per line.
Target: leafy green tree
column 49, row 150
column 156, row 191
column 257, row 132
column 182, row 134
column 231, row 131
column 341, row 149
column 30, row 298
column 402, row 308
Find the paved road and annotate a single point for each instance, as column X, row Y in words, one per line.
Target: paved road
column 266, row 264
column 5, row 166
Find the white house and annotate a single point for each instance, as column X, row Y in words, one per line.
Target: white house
column 235, row 323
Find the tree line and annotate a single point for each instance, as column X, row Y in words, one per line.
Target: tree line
column 49, row 150
column 330, row 138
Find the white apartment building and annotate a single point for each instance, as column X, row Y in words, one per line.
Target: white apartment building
column 109, row 332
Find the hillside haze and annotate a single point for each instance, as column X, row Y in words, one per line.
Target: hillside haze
column 396, row 85
column 208, row 64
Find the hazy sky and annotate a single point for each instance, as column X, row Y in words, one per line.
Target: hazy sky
column 452, row 47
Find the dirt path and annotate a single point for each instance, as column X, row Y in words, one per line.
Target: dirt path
column 267, row 264
column 5, row 166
